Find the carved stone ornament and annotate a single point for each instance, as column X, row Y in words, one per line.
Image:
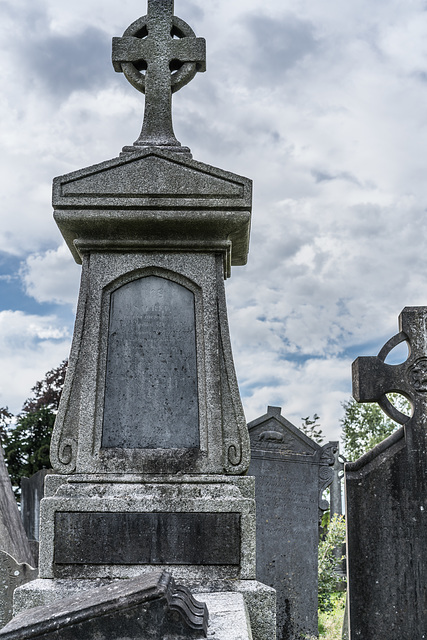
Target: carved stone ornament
column 167, row 50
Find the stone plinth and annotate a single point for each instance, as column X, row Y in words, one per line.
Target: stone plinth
column 200, row 528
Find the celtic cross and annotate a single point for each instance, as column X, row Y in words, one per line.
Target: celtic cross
column 373, row 378
column 166, row 48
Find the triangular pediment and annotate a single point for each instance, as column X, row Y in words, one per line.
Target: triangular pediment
column 274, row 432
column 152, row 174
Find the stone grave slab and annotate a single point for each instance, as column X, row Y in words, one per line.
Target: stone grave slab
column 386, row 497
column 32, row 492
column 12, row 575
column 152, row 606
column 13, row 539
column 291, row 473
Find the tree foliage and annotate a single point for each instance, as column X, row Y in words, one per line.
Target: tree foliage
column 26, row 441
column 5, row 420
column 47, row 392
column 366, row 425
column 328, row 560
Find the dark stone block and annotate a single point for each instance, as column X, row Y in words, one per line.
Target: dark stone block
column 147, row 538
column 151, row 399
column 291, row 473
column 151, row 606
column 387, row 538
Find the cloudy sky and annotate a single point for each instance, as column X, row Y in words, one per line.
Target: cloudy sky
column 323, row 104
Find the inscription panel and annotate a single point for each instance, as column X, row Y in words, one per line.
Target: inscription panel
column 147, row 538
column 151, row 396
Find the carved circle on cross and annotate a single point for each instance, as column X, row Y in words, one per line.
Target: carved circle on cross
column 180, row 76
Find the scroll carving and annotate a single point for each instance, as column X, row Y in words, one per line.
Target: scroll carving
column 237, row 446
column 326, row 471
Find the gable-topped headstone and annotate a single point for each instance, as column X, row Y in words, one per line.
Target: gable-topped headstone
column 386, row 497
column 150, row 444
column 291, row 472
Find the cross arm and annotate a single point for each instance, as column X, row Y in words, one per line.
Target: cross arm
column 190, row 50
column 129, row 49
column 373, row 378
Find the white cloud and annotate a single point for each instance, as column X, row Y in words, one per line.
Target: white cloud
column 52, row 276
column 30, row 345
column 320, row 103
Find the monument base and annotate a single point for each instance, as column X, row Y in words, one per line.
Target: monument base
column 201, row 528
column 238, row 609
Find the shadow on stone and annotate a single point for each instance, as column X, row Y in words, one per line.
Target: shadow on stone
column 151, row 606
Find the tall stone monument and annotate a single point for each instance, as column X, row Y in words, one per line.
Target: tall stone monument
column 150, row 445
column 386, row 493
column 291, row 472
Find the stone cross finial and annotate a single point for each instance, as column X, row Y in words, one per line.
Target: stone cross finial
column 166, row 48
column 373, row 378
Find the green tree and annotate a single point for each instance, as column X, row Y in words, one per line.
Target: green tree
column 5, row 420
column 365, row 425
column 327, row 575
column 26, row 442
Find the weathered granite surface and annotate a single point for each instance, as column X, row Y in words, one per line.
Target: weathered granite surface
column 198, row 526
column 150, row 434
column 121, row 250
column 227, row 602
column 13, row 539
column 386, row 497
column 152, row 606
column 155, row 198
column 291, row 473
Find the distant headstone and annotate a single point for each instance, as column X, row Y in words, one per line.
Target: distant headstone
column 12, row 575
column 151, row 606
column 291, row 472
column 13, row 538
column 386, row 493
column 32, row 492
